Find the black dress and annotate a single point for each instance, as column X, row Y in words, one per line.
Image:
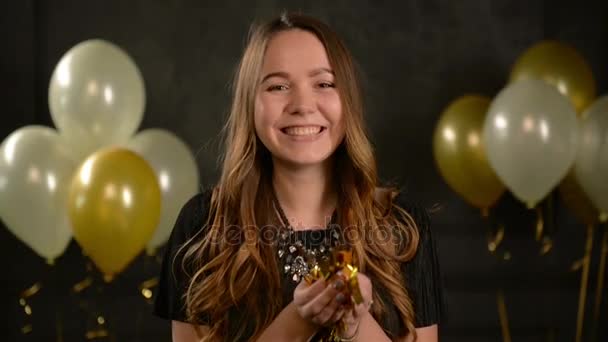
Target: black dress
column 422, row 272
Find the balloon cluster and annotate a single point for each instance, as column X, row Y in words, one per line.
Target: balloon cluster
column 115, row 192
column 542, row 130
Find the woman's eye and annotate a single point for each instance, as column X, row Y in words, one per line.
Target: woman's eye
column 276, row 87
column 326, row 85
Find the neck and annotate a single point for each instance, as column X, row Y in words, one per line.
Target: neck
column 306, row 194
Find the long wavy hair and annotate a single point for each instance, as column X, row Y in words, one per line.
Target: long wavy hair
column 232, row 266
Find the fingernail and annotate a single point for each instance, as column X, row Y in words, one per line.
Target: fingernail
column 340, row 298
column 338, row 284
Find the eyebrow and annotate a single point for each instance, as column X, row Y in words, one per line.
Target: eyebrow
column 283, row 74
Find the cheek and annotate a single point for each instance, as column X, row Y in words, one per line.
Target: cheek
column 265, row 108
column 259, row 119
column 333, row 108
column 264, row 118
column 339, row 117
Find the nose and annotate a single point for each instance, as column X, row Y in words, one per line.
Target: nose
column 301, row 101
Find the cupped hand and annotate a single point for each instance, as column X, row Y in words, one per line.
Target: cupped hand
column 352, row 317
column 321, row 302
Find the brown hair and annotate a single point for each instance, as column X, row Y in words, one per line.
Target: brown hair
column 226, row 274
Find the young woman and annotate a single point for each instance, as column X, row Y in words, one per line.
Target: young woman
column 297, row 158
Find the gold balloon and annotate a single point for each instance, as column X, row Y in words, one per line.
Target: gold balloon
column 561, row 66
column 575, row 199
column 114, row 206
column 460, row 155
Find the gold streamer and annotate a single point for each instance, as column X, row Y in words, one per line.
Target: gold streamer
column 494, row 239
column 503, row 316
column 98, row 329
column 93, row 334
column 27, row 309
column 577, row 265
column 152, row 282
column 540, row 224
column 82, row 285
column 339, row 264
column 584, row 280
column 539, row 234
column 32, row 290
column 547, row 245
column 145, row 288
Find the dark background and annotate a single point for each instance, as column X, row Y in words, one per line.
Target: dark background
column 416, row 56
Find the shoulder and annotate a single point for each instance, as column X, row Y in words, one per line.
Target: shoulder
column 394, row 197
column 192, row 216
column 173, row 278
column 422, row 273
column 415, row 209
column 425, row 247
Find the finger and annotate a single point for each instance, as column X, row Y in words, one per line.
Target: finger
column 304, row 293
column 349, row 316
column 325, row 316
column 338, row 314
column 362, row 309
column 315, row 306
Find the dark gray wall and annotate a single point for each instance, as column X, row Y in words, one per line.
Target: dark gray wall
column 416, row 56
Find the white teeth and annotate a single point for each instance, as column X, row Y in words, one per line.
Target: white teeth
column 302, row 130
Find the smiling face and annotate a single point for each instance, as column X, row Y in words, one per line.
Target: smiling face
column 298, row 112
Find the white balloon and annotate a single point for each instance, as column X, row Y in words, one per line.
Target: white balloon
column 530, row 134
column 96, row 97
column 35, row 172
column 591, row 165
column 177, row 174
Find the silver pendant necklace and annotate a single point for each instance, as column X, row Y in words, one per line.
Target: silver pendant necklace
column 297, row 255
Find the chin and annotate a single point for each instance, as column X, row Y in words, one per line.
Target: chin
column 305, row 161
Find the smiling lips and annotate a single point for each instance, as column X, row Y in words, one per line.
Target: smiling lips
column 302, row 130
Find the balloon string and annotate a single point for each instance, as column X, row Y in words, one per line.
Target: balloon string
column 600, row 277
column 584, row 280
column 485, row 212
column 59, row 326
column 503, row 316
